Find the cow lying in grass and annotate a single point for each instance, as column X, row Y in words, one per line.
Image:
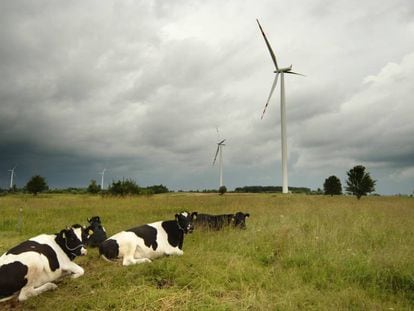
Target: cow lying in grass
column 144, row 243
column 217, row 222
column 30, row 267
column 96, row 232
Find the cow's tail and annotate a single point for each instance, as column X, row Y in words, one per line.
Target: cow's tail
column 106, row 259
column 2, row 299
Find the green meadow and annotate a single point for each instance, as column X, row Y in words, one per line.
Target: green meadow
column 298, row 252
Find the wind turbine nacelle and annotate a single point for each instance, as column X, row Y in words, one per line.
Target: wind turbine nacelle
column 287, row 69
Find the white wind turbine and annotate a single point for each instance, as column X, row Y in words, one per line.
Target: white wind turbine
column 102, row 179
column 220, row 145
column 280, row 71
column 11, row 176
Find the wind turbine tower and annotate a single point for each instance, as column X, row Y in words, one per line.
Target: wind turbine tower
column 102, row 179
column 11, row 176
column 219, row 151
column 280, row 71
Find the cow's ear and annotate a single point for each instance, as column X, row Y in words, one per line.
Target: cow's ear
column 88, row 220
column 247, row 215
column 176, row 216
column 63, row 233
column 194, row 215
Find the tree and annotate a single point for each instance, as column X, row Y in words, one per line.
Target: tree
column 359, row 182
column 36, row 184
column 332, row 186
column 222, row 190
column 93, row 187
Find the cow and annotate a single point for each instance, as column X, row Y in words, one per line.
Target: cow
column 239, row 220
column 217, row 222
column 144, row 243
column 29, row 268
column 214, row 222
column 96, row 232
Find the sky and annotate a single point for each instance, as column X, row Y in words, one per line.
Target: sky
column 141, row 87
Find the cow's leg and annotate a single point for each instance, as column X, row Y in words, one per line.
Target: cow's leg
column 29, row 291
column 133, row 261
column 174, row 251
column 73, row 270
column 131, row 255
column 77, row 271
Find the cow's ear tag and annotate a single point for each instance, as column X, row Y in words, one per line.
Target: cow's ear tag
column 90, row 231
column 63, row 235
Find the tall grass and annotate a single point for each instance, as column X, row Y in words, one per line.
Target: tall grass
column 298, row 252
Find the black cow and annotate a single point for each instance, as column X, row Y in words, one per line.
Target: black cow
column 239, row 220
column 217, row 222
column 30, row 268
column 96, row 232
column 143, row 243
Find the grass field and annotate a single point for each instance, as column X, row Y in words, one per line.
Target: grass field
column 298, row 253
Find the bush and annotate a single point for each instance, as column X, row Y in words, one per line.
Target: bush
column 124, row 187
column 158, row 189
column 93, row 187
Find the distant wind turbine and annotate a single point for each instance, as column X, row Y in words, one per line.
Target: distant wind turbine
column 11, row 176
column 220, row 150
column 102, row 179
column 280, row 71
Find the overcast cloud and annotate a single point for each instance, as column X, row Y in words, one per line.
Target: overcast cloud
column 139, row 87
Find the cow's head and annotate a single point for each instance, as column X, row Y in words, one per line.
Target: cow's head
column 84, row 233
column 94, row 220
column 95, row 233
column 185, row 221
column 239, row 220
column 72, row 240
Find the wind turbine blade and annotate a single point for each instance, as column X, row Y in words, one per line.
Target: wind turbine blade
column 221, row 142
column 215, row 157
column 268, row 46
column 295, row 73
column 270, row 95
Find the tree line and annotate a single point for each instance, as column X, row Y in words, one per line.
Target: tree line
column 270, row 189
column 359, row 183
column 38, row 184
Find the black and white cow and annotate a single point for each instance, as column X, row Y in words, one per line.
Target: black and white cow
column 96, row 232
column 217, row 222
column 144, row 243
column 30, row 267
